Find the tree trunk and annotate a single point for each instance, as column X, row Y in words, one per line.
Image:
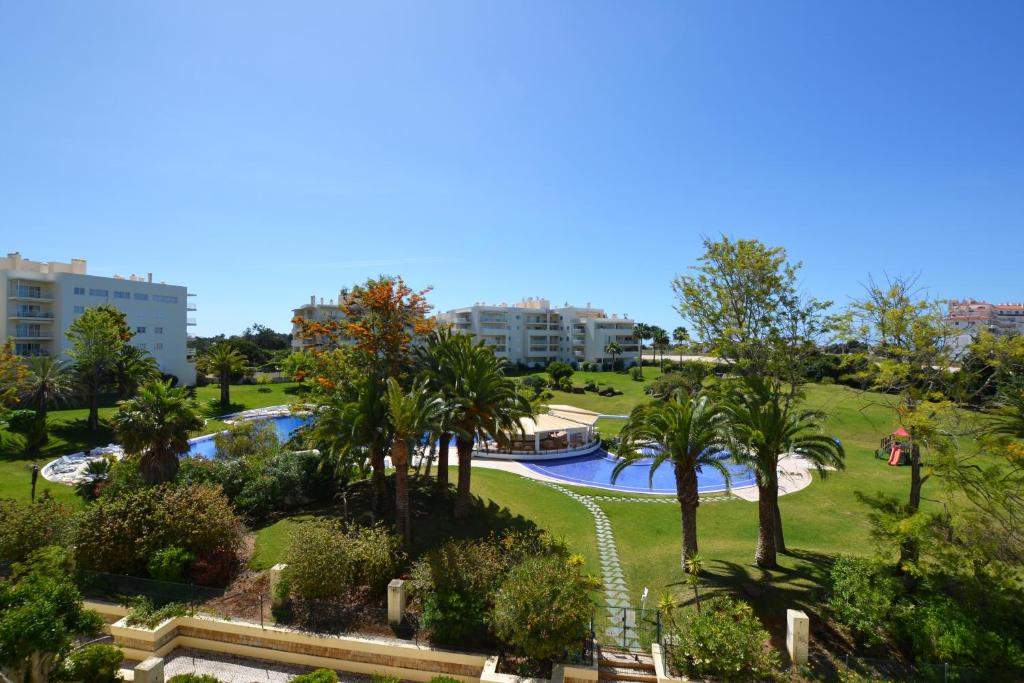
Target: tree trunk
column 916, row 481
column 780, row 539
column 767, row 495
column 225, row 389
column 400, row 461
column 431, row 454
column 442, row 460
column 158, row 467
column 379, row 480
column 686, row 493
column 94, row 411
column 465, row 449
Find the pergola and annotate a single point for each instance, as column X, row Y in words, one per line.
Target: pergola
column 562, row 427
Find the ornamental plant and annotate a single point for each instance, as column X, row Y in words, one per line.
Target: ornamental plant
column 92, row 664
column 543, row 607
column 724, row 640
column 26, row 527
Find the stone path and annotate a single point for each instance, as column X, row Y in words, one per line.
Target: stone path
column 616, row 592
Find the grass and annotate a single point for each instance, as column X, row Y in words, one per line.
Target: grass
column 502, row 501
column 69, row 434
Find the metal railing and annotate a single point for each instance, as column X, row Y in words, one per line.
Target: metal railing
column 26, row 313
column 629, row 628
column 25, row 292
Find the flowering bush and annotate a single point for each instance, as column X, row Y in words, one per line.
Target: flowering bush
column 543, row 607
column 26, row 527
column 724, row 639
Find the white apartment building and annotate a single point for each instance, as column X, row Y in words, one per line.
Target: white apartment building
column 969, row 317
column 319, row 312
column 534, row 333
column 43, row 298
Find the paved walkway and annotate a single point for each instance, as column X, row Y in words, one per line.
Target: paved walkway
column 231, row 669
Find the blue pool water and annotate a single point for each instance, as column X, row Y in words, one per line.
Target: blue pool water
column 596, row 468
column 285, row 425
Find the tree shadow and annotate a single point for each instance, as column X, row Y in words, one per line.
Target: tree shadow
column 78, row 437
column 214, row 409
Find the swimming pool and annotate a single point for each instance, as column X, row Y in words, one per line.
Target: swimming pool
column 284, row 424
column 596, row 468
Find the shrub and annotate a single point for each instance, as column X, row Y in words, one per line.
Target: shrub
column 119, row 534
column 326, row 560
column 318, row 676
column 27, row 527
column 444, row 679
column 92, row 664
column 636, row 373
column 214, row 567
column 253, row 437
column 32, row 429
column 383, row 678
column 193, row 678
column 456, row 582
column 557, row 371
column 861, row 597
column 940, row 629
column 565, row 384
column 142, row 612
column 535, row 384
column 169, row 564
column 543, row 608
column 725, row 640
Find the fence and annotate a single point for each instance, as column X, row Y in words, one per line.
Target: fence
column 627, row 627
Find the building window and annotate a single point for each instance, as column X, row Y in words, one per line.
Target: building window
column 121, row 295
column 79, row 309
column 158, row 346
column 165, row 299
column 158, row 330
column 141, row 346
column 141, row 329
column 79, row 291
column 140, row 296
column 99, row 292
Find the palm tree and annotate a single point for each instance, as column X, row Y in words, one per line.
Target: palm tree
column 155, row 425
column 434, row 367
column 614, row 350
column 680, row 336
column 485, row 404
column 411, row 415
column 50, row 381
column 660, row 344
column 96, row 474
column 641, row 331
column 224, row 360
column 763, row 425
column 689, row 432
column 133, row 368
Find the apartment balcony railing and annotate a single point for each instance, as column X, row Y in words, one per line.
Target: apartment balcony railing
column 28, row 292
column 37, row 335
column 31, row 353
column 190, row 307
column 21, row 313
column 190, row 322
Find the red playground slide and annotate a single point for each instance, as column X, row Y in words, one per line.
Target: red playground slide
column 894, row 458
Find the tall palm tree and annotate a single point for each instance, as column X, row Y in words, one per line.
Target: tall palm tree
column 224, row 360
column 641, row 331
column 411, row 413
column 434, row 367
column 763, row 425
column 680, row 335
column 690, row 436
column 50, row 381
column 133, row 368
column 485, row 404
column 614, row 350
column 660, row 344
column 155, row 425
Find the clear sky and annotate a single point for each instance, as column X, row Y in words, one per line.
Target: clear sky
column 262, row 152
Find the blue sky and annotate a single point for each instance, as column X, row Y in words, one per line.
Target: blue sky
column 263, row 152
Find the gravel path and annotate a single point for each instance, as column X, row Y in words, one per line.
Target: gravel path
column 231, row 669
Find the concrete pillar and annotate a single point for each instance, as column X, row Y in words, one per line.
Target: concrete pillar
column 396, row 602
column 797, row 635
column 536, row 442
column 274, row 578
column 150, row 670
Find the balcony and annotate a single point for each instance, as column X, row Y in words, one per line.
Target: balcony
column 31, row 335
column 28, row 292
column 191, row 322
column 31, row 315
column 190, row 307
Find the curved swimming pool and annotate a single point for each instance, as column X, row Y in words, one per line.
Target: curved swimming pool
column 596, row 468
column 206, row 447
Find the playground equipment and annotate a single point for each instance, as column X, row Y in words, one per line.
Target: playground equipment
column 896, row 448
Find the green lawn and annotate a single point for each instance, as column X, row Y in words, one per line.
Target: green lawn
column 504, row 500
column 69, row 434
